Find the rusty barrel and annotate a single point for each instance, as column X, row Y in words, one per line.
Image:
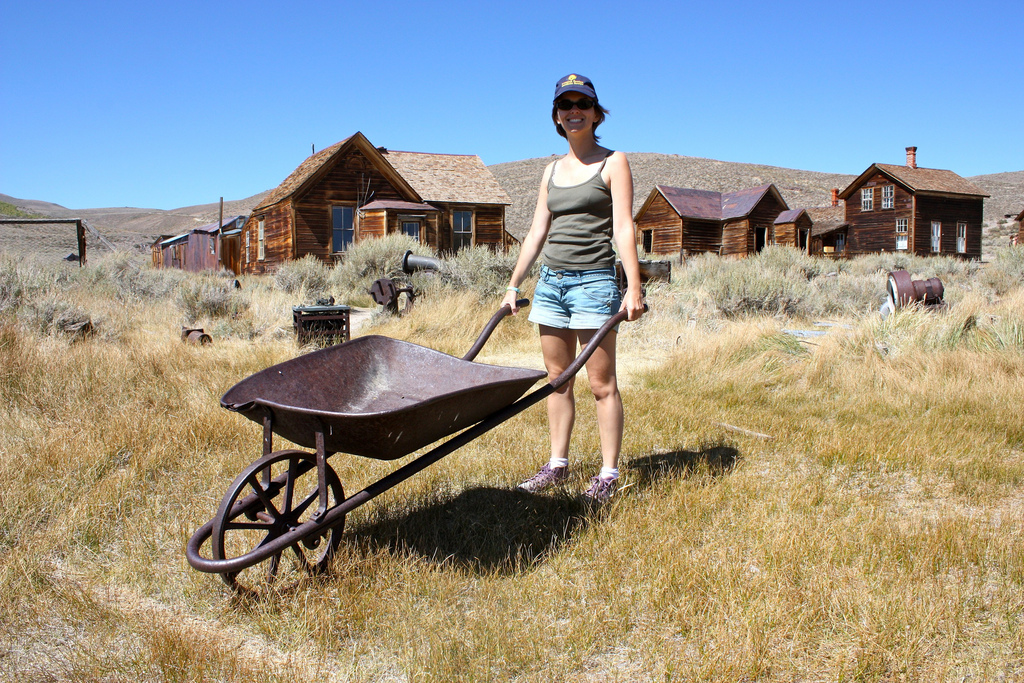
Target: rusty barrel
column 903, row 290
column 195, row 336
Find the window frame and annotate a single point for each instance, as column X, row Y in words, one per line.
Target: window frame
column 261, row 239
column 468, row 235
column 936, row 235
column 351, row 210
column 867, row 199
column 961, row 237
column 902, row 234
column 888, row 196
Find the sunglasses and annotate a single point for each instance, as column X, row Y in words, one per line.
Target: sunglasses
column 583, row 105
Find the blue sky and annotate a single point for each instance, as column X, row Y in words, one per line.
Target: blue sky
column 164, row 105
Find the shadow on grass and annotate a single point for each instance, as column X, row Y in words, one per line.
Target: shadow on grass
column 487, row 529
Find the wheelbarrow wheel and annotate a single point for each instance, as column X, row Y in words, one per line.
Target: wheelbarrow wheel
column 268, row 499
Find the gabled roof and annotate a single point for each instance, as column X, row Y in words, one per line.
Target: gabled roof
column 690, row 203
column 738, row 204
column 448, row 177
column 1020, row 216
column 315, row 166
column 826, row 219
column 710, row 205
column 919, row 181
column 790, row 216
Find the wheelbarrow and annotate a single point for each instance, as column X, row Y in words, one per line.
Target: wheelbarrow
column 375, row 397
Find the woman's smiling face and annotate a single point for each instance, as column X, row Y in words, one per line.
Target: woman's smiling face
column 575, row 120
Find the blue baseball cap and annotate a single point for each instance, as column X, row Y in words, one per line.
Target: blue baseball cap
column 574, row 83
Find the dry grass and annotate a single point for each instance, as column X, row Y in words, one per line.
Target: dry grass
column 876, row 535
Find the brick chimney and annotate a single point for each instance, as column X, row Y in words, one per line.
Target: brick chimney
column 835, row 196
column 911, row 157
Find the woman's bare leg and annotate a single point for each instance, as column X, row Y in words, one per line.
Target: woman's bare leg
column 559, row 349
column 604, row 385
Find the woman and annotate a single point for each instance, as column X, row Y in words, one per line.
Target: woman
column 585, row 203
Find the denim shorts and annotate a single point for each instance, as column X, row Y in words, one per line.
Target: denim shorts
column 575, row 299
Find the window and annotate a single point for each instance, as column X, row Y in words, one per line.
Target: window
column 961, row 238
column 936, row 236
column 412, row 229
column 867, row 199
column 247, row 233
column 342, row 227
column 901, row 233
column 261, row 243
column 888, row 196
column 462, row 229
column 840, row 242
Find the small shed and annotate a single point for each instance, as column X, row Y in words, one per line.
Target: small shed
column 793, row 228
column 689, row 221
column 208, row 247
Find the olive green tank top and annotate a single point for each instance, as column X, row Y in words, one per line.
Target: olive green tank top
column 580, row 237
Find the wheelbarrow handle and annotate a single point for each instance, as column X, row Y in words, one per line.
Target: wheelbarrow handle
column 489, row 327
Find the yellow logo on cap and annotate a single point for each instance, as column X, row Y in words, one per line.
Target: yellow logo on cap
column 572, row 81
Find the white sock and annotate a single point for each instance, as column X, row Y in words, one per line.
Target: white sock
column 609, row 473
column 558, row 462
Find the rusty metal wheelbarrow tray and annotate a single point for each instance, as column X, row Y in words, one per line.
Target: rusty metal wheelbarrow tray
column 377, row 397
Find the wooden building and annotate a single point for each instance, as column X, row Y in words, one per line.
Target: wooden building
column 1020, row 229
column 919, row 210
column 209, row 247
column 793, row 228
column 353, row 191
column 675, row 220
column 828, row 230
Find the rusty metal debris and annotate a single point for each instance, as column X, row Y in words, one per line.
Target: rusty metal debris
column 903, row 291
column 324, row 324
column 195, row 335
column 387, row 292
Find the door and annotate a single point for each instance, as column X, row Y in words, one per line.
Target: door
column 760, row 238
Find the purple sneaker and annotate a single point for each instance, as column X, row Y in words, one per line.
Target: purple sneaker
column 547, row 477
column 601, row 490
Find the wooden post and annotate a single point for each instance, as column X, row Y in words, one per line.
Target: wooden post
column 220, row 234
column 81, row 242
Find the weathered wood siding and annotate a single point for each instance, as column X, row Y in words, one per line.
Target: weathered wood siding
column 701, row 236
column 737, row 238
column 664, row 224
column 949, row 211
column 277, row 239
column 371, row 224
column 489, row 226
